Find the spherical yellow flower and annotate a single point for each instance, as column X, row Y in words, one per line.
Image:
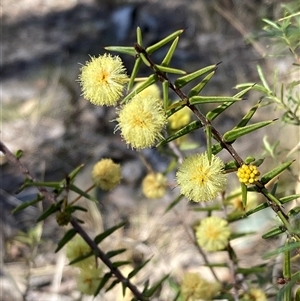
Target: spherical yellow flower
column 200, row 180
column 194, row 287
column 141, row 121
column 102, row 80
column 248, row 174
column 180, row 118
column 77, row 247
column 106, row 174
column 88, row 280
column 213, row 233
column 254, row 294
column 154, row 185
column 152, row 90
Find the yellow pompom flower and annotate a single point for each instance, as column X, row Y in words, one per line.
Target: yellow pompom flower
column 102, row 80
column 106, row 174
column 154, row 185
column 141, row 121
column 248, row 174
column 199, row 179
column 88, row 280
column 213, row 233
column 254, row 294
column 77, row 247
column 152, row 90
column 180, row 119
column 194, row 287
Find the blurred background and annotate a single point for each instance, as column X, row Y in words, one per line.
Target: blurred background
column 44, row 43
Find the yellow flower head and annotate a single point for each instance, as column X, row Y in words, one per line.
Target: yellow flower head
column 254, row 294
column 88, row 280
column 154, row 185
column 213, row 233
column 152, row 90
column 248, row 174
column 200, row 180
column 194, row 287
column 141, row 121
column 106, row 174
column 180, row 119
column 102, row 80
column 77, row 247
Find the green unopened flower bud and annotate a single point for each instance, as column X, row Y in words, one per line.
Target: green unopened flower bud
column 63, row 218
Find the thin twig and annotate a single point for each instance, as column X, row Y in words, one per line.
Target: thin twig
column 105, row 259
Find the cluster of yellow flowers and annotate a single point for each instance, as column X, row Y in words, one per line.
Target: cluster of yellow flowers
column 141, row 122
column 142, row 119
column 248, row 174
column 107, row 175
